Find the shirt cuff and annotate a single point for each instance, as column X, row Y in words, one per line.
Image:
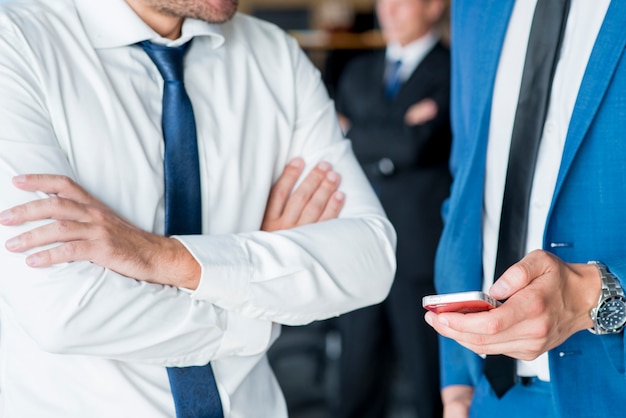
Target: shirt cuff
column 224, row 281
column 226, row 270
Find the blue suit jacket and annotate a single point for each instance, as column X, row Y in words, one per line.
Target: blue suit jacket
column 587, row 219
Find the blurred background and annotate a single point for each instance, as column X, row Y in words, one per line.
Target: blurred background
column 332, row 32
column 306, row 359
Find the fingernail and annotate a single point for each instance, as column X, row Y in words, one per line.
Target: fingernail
column 428, row 318
column 339, row 196
column 297, row 162
column 33, row 260
column 6, row 216
column 18, row 180
column 324, row 166
column 499, row 289
column 332, row 176
column 12, row 244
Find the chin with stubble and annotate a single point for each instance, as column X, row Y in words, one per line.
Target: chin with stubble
column 212, row 11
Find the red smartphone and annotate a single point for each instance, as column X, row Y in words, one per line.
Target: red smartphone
column 463, row 302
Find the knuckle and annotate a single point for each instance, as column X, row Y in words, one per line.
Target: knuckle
column 65, row 182
column 45, row 257
column 329, row 186
column 543, row 257
column 316, row 205
column 63, row 226
column 54, row 202
column 478, row 341
column 290, row 173
column 518, row 271
column 536, row 349
column 300, row 198
column 101, row 231
column 68, row 250
column 96, row 214
column 536, row 307
column 317, row 174
column 493, row 326
column 280, row 193
column 26, row 238
column 479, row 349
column 530, row 354
column 540, row 331
column 21, row 210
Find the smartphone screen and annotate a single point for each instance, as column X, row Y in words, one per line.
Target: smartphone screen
column 463, row 302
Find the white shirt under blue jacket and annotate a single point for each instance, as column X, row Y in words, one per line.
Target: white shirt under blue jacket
column 584, row 186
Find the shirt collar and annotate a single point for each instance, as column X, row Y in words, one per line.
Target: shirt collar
column 103, row 18
column 414, row 52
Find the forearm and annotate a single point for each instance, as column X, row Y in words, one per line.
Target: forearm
column 81, row 308
column 300, row 275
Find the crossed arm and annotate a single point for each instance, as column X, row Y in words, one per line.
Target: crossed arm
column 88, row 230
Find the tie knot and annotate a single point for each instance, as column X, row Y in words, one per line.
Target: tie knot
column 169, row 60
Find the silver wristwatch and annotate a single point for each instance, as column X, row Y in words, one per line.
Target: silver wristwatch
column 609, row 317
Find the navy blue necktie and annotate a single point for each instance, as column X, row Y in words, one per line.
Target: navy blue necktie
column 393, row 82
column 544, row 44
column 193, row 388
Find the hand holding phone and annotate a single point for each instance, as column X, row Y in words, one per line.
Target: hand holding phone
column 462, row 302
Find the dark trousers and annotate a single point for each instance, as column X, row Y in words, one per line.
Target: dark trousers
column 377, row 338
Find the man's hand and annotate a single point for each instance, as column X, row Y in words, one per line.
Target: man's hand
column 89, row 231
column 344, row 122
column 315, row 200
column 456, row 401
column 421, row 112
column 548, row 301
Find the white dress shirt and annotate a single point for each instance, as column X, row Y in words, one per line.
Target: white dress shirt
column 411, row 55
column 583, row 24
column 82, row 341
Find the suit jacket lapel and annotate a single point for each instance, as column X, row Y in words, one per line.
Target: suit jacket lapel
column 607, row 51
column 494, row 19
column 478, row 71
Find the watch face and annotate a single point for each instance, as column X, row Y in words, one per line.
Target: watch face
column 612, row 314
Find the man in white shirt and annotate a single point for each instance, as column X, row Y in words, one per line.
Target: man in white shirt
column 80, row 335
column 553, row 296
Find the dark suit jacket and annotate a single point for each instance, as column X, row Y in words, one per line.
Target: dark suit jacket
column 413, row 194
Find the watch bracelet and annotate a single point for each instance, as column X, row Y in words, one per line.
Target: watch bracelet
column 610, row 288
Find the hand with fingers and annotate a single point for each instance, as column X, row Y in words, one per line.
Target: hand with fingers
column 547, row 300
column 315, row 200
column 90, row 231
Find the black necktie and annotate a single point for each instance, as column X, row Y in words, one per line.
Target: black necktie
column 193, row 388
column 544, row 43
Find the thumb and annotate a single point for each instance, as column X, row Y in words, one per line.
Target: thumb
column 519, row 275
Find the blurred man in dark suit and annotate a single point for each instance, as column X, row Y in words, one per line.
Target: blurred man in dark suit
column 393, row 104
